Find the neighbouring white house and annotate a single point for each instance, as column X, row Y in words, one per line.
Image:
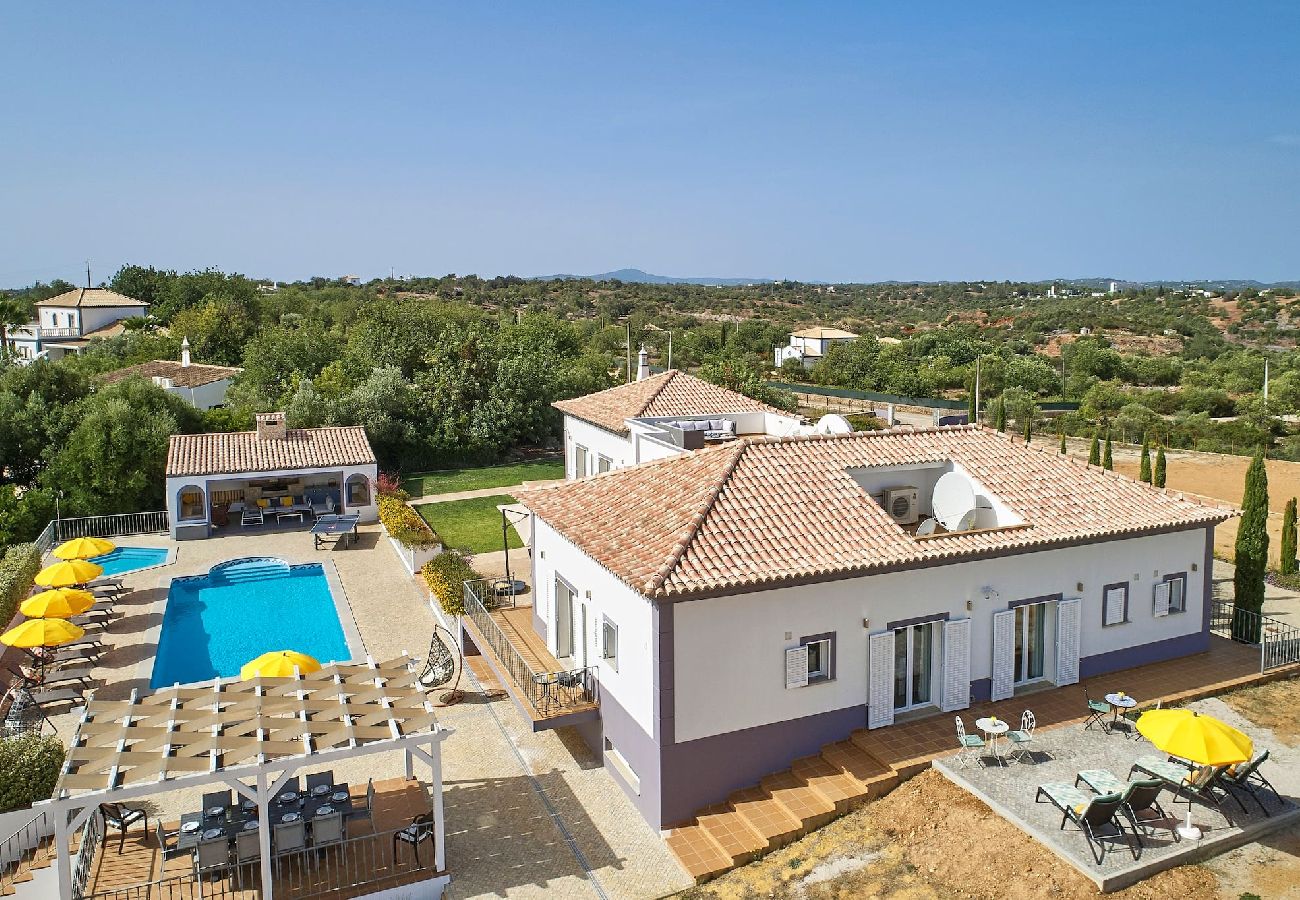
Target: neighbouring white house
column 246, row 479
column 202, row 386
column 743, row 605
column 659, row 415
column 811, row 344
column 67, row 323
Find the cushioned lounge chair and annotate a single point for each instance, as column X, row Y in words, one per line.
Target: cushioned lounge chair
column 1096, row 815
column 1247, row 778
column 1141, row 799
column 252, row 515
column 1202, row 783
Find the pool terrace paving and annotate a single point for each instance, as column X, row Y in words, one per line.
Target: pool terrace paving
column 528, row 814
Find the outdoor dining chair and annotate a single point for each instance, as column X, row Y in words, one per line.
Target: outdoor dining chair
column 248, row 848
column 168, row 842
column 327, row 831
column 419, row 831
column 293, row 785
column 1097, row 711
column 319, row 779
column 288, row 837
column 1022, row 737
column 1097, row 817
column 970, row 744
column 215, row 799
column 211, row 856
column 116, row 815
column 1247, row 778
column 367, row 811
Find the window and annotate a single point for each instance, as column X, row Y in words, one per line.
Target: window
column 1114, row 604
column 358, row 490
column 819, row 660
column 602, row 464
column 609, row 643
column 579, row 461
column 191, row 503
column 813, row 661
column 1177, row 592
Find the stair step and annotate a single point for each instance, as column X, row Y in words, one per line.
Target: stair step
column 848, row 756
column 698, row 854
column 729, row 831
column 799, row 799
column 832, row 782
column 766, row 817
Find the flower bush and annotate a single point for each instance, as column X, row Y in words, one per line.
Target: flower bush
column 18, row 570
column 29, row 768
column 445, row 575
column 404, row 524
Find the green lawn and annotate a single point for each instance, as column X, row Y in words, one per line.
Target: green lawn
column 424, row 484
column 473, row 525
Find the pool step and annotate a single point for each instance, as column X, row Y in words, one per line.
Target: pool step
column 243, row 571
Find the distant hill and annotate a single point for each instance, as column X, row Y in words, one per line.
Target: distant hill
column 636, row 276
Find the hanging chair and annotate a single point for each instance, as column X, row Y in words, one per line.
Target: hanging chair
column 440, row 665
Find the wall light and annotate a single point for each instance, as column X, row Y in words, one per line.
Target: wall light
column 866, row 623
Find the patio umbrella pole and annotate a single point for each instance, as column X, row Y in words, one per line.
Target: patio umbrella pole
column 1187, row 829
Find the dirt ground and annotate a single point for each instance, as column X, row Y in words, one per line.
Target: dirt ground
column 930, row 840
column 1219, row 477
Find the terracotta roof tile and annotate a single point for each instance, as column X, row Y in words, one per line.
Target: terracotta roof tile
column 671, row 393
column 193, row 375
column 84, row 297
column 228, row 453
column 760, row 512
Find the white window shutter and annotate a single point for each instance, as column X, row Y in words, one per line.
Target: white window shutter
column 1160, row 599
column 1114, row 611
column 880, row 690
column 796, row 667
column 956, row 664
column 1004, row 649
column 1068, row 613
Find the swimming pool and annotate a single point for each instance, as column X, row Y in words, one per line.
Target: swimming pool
column 215, row 623
column 130, row 559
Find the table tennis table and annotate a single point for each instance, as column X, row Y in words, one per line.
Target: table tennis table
column 332, row 529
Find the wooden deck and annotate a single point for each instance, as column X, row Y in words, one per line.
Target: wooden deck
column 516, row 623
column 355, row 869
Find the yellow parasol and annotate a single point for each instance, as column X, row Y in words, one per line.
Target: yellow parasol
column 84, row 548
column 42, row 633
column 1197, row 738
column 68, row 573
column 278, row 664
column 57, row 603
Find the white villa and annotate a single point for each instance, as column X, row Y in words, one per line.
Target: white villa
column 811, row 344
column 203, row 387
column 656, row 416
column 741, row 606
column 66, row 323
column 212, row 478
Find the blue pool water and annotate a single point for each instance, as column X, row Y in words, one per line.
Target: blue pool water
column 241, row 609
column 128, row 559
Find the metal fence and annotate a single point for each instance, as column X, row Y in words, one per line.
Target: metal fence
column 1278, row 641
column 546, row 692
column 45, row 540
column 85, row 854
column 115, row 525
column 360, row 865
column 21, row 847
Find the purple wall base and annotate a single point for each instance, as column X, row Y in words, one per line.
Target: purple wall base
column 1145, row 654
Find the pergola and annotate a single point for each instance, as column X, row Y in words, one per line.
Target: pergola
column 264, row 730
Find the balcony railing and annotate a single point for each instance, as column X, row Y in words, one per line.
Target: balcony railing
column 115, row 525
column 48, row 333
column 22, row 847
column 1279, row 642
column 545, row 692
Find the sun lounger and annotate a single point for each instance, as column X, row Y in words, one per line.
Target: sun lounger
column 1097, row 816
column 63, row 676
column 54, row 696
column 1246, row 778
column 252, row 515
column 322, row 506
column 1193, row 784
column 1140, row 798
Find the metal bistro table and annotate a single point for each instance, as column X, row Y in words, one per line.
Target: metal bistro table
column 1119, row 701
column 994, row 728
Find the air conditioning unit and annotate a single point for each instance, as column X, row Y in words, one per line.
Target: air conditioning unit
column 902, row 505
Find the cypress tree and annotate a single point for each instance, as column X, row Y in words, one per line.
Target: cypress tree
column 1028, row 434
column 1144, row 471
column 1289, row 565
column 1001, row 416
column 1107, row 460
column 1062, row 440
column 1094, row 452
column 1158, row 479
column 1251, row 557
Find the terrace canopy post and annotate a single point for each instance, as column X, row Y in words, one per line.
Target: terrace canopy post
column 264, row 835
column 434, row 760
column 62, row 860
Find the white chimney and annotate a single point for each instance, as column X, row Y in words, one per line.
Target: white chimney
column 642, row 365
column 185, row 353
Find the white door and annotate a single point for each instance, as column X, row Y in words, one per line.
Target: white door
column 1003, row 654
column 581, row 631
column 956, row 664
column 1067, row 641
column 563, row 620
column 1031, row 642
column 880, row 679
column 913, row 666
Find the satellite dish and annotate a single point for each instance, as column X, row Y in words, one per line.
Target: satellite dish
column 926, row 527
column 952, row 498
column 833, row 424
column 968, row 520
column 985, row 517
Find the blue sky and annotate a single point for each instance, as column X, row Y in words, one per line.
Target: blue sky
column 828, row 141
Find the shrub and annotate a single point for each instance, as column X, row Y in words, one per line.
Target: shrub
column 864, row 422
column 18, row 570
column 404, row 524
column 445, row 574
column 29, row 768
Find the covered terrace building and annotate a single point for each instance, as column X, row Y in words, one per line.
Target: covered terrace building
column 282, row 472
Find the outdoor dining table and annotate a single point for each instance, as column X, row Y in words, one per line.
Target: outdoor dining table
column 1118, row 701
column 244, row 815
column 994, row 728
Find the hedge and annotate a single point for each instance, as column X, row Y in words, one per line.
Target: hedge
column 18, row 570
column 29, row 768
column 404, row 524
column 445, row 575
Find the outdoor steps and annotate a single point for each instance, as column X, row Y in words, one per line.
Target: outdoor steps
column 783, row 807
column 23, row 870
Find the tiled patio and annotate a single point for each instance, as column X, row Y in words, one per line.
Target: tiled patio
column 1060, row 754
